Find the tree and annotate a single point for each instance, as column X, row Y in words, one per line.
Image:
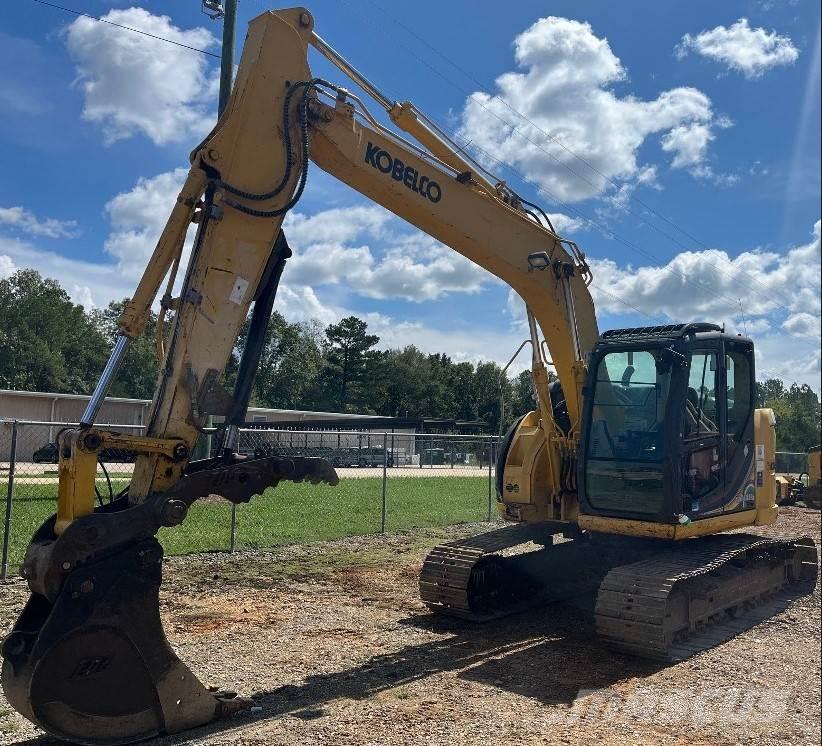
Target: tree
column 522, row 396
column 463, row 391
column 351, row 363
column 488, row 377
column 797, row 411
column 47, row 343
column 290, row 364
column 770, row 390
column 405, row 377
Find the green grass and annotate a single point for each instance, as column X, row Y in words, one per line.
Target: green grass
column 292, row 513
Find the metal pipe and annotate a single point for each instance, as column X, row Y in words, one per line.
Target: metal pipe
column 501, row 379
column 572, row 314
column 491, row 458
column 336, row 59
column 9, row 498
column 233, row 541
column 456, row 147
column 115, row 360
column 536, row 356
column 369, row 119
column 384, row 479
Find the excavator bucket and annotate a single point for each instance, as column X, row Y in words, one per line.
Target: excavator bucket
column 87, row 660
column 95, row 667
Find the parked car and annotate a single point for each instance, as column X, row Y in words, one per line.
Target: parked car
column 48, row 454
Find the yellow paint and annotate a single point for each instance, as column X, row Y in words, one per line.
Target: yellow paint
column 765, row 467
column 77, row 466
column 650, row 529
column 77, row 471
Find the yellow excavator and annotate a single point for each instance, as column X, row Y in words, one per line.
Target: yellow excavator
column 804, row 489
column 631, row 466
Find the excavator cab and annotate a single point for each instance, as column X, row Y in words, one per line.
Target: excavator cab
column 670, row 426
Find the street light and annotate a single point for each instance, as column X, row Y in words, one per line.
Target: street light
column 213, row 9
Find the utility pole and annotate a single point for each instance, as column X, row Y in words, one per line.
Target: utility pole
column 215, row 9
column 227, row 58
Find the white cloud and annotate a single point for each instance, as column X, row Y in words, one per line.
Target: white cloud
column 339, row 247
column 802, row 325
column 135, row 84
column 364, row 251
column 89, row 283
column 751, row 51
column 7, row 267
column 24, row 221
column 138, row 217
column 564, row 89
column 565, row 224
column 689, row 142
column 340, row 224
column 700, row 285
column 794, row 360
column 779, row 292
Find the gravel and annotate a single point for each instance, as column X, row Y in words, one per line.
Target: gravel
column 334, row 645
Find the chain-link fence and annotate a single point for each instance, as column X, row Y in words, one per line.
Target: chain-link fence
column 388, row 482
column 787, row 462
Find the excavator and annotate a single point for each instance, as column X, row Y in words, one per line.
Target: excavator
column 807, row 492
column 629, row 473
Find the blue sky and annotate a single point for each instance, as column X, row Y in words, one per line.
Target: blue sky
column 677, row 143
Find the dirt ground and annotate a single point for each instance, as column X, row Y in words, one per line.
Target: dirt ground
column 336, row 648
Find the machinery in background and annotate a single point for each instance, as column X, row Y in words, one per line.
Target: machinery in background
column 804, row 490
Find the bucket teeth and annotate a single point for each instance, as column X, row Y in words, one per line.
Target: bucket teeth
column 95, row 667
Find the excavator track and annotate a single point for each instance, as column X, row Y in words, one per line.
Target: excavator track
column 467, row 579
column 701, row 593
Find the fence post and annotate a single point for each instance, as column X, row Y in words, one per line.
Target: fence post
column 490, row 479
column 384, row 478
column 9, row 498
column 233, row 543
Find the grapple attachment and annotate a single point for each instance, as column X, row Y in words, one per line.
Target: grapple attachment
column 87, row 660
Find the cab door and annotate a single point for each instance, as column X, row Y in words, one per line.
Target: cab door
column 738, row 426
column 703, row 432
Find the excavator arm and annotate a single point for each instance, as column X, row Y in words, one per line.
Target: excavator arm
column 276, row 120
column 87, row 660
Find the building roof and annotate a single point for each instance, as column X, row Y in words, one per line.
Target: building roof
column 295, row 414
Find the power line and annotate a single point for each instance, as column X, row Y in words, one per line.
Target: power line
column 626, row 303
column 126, row 28
column 579, row 213
column 553, row 138
column 615, row 236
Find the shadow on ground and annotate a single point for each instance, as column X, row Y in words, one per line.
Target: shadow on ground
column 546, row 654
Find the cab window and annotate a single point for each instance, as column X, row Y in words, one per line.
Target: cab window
column 624, row 464
column 739, row 395
column 701, row 413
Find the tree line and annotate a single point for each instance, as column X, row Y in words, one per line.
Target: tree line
column 49, row 343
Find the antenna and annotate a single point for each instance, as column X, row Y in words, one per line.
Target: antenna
column 742, row 313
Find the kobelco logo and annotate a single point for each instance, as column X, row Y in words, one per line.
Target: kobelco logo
column 383, row 161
